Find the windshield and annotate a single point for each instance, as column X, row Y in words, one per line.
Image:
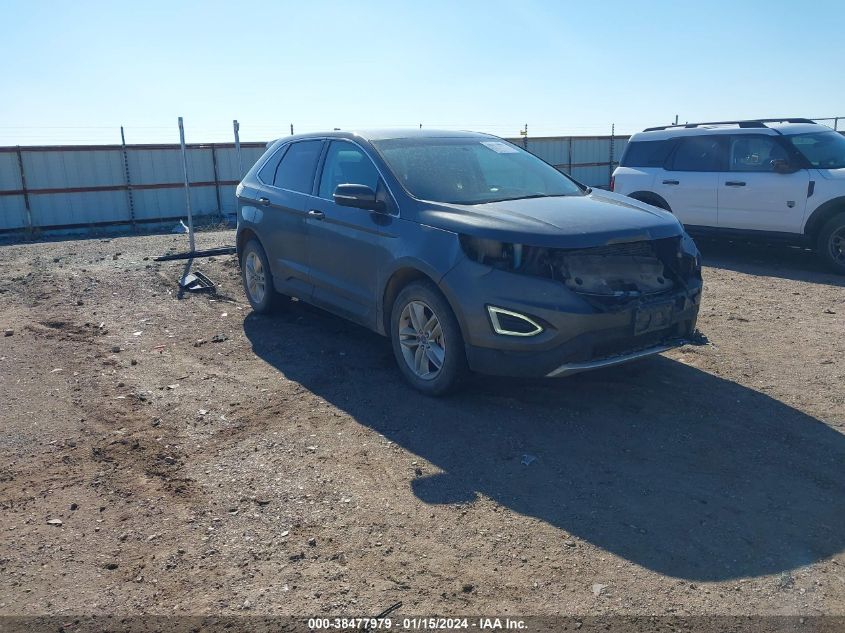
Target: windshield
column 824, row 150
column 471, row 171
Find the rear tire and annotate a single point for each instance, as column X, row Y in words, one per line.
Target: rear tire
column 257, row 279
column 427, row 341
column 831, row 243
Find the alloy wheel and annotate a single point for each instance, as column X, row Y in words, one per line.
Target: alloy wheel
column 837, row 245
column 256, row 283
column 421, row 340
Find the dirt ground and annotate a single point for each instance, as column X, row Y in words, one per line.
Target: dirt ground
column 205, row 460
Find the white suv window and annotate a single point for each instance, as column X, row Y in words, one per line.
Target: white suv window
column 755, row 153
column 699, row 153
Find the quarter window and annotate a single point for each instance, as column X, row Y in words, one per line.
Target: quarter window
column 346, row 164
column 268, row 172
column 296, row 171
column 755, row 153
column 699, row 153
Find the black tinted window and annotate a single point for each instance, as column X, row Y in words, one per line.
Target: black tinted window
column 296, row 171
column 268, row 172
column 646, row 153
column 699, row 153
column 346, row 164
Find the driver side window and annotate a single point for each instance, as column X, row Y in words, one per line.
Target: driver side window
column 346, row 164
column 755, row 153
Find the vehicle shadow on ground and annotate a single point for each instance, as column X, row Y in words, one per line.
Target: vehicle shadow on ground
column 668, row 466
column 764, row 260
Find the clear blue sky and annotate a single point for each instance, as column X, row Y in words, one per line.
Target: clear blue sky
column 75, row 71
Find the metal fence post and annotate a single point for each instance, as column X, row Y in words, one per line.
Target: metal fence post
column 216, row 181
column 570, row 156
column 610, row 161
column 187, row 185
column 29, row 226
column 237, row 128
column 127, row 178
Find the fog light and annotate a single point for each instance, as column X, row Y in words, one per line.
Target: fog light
column 512, row 323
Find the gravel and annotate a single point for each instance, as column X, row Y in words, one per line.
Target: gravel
column 705, row 481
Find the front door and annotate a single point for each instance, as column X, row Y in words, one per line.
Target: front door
column 753, row 196
column 348, row 247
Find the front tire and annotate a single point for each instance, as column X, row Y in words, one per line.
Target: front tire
column 257, row 279
column 831, row 243
column 426, row 339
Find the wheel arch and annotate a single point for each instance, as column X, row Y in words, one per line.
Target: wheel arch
column 399, row 278
column 405, row 273
column 649, row 197
column 244, row 236
column 821, row 215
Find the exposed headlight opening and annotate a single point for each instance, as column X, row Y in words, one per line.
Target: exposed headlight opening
column 617, row 273
column 511, row 323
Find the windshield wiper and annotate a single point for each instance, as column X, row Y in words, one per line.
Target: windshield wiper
column 533, row 195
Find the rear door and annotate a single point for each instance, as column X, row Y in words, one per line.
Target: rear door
column 689, row 183
column 348, row 247
column 752, row 196
column 287, row 183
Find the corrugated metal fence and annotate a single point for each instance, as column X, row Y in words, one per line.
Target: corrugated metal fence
column 83, row 186
column 588, row 159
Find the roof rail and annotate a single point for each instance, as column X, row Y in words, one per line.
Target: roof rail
column 741, row 123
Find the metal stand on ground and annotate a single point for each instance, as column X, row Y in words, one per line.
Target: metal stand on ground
column 197, row 281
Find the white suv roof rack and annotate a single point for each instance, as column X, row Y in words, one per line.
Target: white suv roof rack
column 747, row 123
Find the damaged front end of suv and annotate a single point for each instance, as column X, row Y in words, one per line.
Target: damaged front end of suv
column 553, row 311
column 610, row 275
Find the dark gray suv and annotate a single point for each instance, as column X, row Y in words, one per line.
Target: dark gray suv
column 467, row 251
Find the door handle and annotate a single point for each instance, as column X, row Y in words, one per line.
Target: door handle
column 734, row 183
column 671, row 182
column 264, row 201
column 317, row 215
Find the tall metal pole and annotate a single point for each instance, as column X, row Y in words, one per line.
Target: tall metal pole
column 129, row 196
column 29, row 225
column 187, row 185
column 291, row 129
column 237, row 127
column 216, row 181
column 610, row 161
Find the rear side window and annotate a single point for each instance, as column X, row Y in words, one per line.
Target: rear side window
column 296, row 171
column 646, row 153
column 268, row 172
column 699, row 153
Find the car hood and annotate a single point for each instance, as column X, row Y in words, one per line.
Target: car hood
column 597, row 219
column 832, row 174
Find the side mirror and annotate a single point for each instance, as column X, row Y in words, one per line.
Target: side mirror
column 780, row 166
column 358, row 196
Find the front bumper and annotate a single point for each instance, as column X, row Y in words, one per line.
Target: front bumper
column 578, row 334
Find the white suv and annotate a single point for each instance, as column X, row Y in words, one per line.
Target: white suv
column 779, row 179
